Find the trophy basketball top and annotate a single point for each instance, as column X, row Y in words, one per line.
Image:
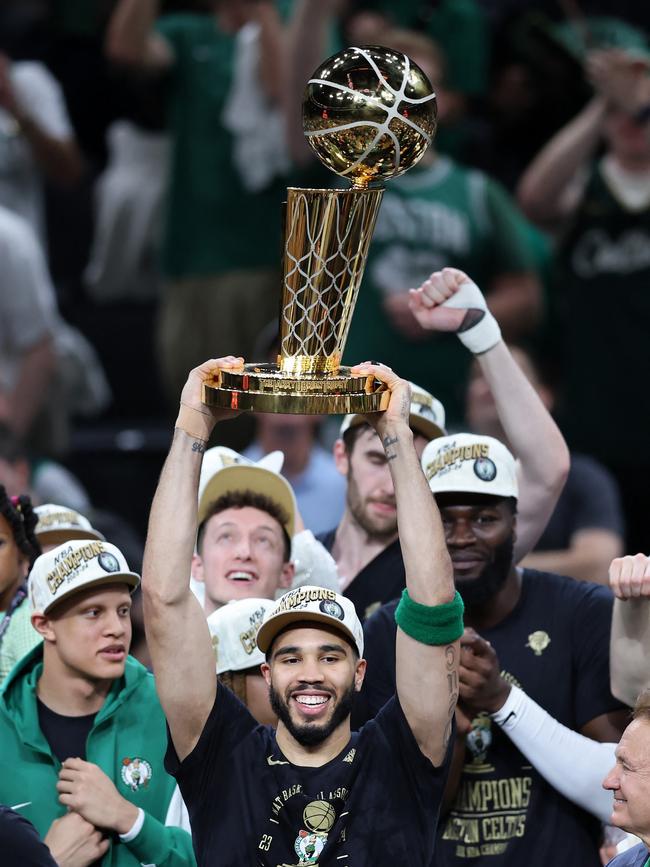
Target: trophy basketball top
column 369, row 113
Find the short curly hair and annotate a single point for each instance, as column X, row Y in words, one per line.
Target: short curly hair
column 19, row 513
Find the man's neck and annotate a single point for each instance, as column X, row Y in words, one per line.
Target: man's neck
column 313, row 757
column 354, row 548
column 495, row 610
column 69, row 693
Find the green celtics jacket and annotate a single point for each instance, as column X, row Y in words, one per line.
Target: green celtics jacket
column 127, row 741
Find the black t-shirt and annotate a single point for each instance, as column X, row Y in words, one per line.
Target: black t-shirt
column 66, row 735
column 20, row 844
column 589, row 500
column 555, row 646
column 375, row 804
column 378, row 582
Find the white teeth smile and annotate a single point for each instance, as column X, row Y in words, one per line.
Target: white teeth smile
column 311, row 699
column 240, row 576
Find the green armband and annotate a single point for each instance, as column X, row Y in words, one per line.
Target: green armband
column 430, row 624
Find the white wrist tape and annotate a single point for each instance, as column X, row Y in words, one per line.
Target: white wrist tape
column 486, row 333
column 135, row 828
column 573, row 764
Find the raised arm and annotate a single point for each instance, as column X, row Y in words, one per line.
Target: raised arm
column 426, row 673
column 131, row 38
column 450, row 301
column 185, row 681
column 629, row 579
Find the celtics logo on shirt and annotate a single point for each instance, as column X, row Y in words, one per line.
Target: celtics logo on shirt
column 319, row 817
column 136, row 773
column 478, row 742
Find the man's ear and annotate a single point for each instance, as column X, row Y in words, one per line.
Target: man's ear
column 43, row 625
column 197, row 568
column 359, row 674
column 341, row 458
column 287, row 575
column 265, row 668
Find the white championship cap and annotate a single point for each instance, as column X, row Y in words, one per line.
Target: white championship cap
column 225, row 470
column 234, row 633
column 311, row 603
column 57, row 524
column 469, row 463
column 427, row 415
column 73, row 567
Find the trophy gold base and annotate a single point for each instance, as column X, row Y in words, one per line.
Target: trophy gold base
column 266, row 388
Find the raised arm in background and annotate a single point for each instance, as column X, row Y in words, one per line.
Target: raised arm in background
column 426, row 674
column 450, row 301
column 629, row 663
column 131, row 38
column 186, row 682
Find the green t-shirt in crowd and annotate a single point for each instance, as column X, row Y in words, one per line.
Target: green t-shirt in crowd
column 433, row 217
column 213, row 224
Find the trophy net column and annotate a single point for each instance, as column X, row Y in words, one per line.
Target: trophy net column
column 327, row 236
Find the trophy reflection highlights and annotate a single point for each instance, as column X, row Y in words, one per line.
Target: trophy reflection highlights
column 369, row 114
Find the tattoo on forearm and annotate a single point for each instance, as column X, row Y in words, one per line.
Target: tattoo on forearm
column 452, row 686
column 198, row 446
column 387, row 442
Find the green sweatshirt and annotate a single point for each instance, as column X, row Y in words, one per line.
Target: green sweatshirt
column 127, row 741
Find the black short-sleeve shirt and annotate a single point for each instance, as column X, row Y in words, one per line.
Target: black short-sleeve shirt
column 555, row 646
column 379, row 582
column 375, row 804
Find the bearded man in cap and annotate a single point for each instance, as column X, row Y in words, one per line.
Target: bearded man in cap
column 528, row 634
column 312, row 791
column 82, row 733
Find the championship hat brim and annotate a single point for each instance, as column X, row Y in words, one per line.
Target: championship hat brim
column 60, row 535
column 250, row 478
column 129, row 578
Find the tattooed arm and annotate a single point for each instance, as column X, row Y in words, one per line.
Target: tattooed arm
column 174, row 619
column 427, row 675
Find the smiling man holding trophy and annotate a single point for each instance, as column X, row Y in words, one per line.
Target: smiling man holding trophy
column 312, row 792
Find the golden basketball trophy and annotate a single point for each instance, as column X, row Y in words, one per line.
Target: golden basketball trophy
column 369, row 114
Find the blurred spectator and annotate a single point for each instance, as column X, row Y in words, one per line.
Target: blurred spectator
column 48, row 370
column 222, row 240
column 129, row 197
column 461, row 26
column 603, row 268
column 36, row 140
column 43, row 479
column 20, row 548
column 310, row 469
column 585, row 532
column 46, row 481
column 440, row 214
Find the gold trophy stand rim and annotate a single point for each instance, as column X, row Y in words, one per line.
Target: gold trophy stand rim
column 265, row 388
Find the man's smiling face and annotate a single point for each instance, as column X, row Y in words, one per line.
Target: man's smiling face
column 313, row 674
column 242, row 554
column 629, row 781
